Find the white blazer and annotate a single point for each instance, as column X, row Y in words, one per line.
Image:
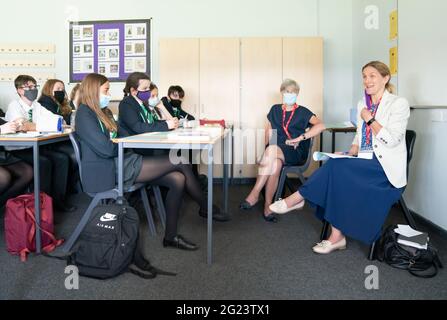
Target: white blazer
column 389, row 144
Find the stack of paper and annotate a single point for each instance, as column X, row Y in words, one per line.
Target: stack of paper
column 323, row 156
column 410, row 237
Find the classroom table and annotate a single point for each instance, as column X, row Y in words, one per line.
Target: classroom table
column 168, row 140
column 23, row 140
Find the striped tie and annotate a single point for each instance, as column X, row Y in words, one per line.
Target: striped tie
column 30, row 115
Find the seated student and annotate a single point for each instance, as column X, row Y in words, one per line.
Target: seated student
column 96, row 127
column 53, row 164
column 15, row 175
column 173, row 103
column 136, row 118
column 155, row 102
column 290, row 121
column 136, row 115
column 54, row 98
column 355, row 195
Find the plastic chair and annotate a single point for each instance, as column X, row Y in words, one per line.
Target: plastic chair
column 410, row 139
column 298, row 170
column 112, row 194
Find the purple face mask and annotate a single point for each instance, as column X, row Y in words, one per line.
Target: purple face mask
column 144, row 95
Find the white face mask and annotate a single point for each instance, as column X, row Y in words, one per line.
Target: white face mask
column 154, row 101
column 289, row 98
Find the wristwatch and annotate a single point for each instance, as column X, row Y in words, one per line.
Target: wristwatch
column 370, row 122
column 304, row 136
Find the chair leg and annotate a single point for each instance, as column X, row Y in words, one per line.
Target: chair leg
column 407, row 213
column 148, row 211
column 324, row 231
column 302, row 178
column 282, row 180
column 81, row 225
column 160, row 206
column 372, row 252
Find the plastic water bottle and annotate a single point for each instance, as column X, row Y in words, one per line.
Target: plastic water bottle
column 72, row 120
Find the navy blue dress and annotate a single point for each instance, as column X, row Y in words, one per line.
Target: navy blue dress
column 298, row 126
column 353, row 195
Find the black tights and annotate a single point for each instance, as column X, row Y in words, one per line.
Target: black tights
column 14, row 178
column 159, row 170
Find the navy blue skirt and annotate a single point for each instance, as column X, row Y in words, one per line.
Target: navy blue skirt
column 353, row 195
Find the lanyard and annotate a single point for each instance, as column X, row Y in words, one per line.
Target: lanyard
column 113, row 134
column 373, row 108
column 285, row 125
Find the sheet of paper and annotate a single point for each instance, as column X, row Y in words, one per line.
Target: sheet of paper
column 32, row 134
column 406, row 230
column 323, row 156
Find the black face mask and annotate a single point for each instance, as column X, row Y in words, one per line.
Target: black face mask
column 176, row 103
column 59, row 96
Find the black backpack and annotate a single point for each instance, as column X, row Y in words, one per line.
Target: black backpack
column 423, row 263
column 108, row 245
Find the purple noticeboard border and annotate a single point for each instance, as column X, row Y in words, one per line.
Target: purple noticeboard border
column 104, row 25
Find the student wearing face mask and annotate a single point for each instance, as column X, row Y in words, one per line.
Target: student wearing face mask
column 137, row 111
column 34, row 117
column 155, row 102
column 286, row 122
column 55, row 99
column 173, row 103
column 95, row 128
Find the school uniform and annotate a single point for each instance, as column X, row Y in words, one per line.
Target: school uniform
column 356, row 195
column 176, row 112
column 52, row 106
column 99, row 155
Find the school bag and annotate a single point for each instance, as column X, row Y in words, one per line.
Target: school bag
column 20, row 225
column 108, row 245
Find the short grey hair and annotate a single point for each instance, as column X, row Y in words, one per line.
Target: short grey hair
column 290, row 83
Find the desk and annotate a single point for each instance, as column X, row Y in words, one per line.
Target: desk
column 333, row 130
column 34, row 143
column 160, row 140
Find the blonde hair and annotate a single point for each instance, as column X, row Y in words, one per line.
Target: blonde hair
column 384, row 71
column 48, row 90
column 289, row 83
column 89, row 93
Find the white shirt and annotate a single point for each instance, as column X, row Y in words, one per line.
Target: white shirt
column 44, row 119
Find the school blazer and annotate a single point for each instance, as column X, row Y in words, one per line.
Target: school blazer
column 389, row 144
column 131, row 118
column 98, row 152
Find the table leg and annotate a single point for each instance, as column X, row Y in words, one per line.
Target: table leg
column 225, row 172
column 120, row 169
column 210, row 204
column 36, row 168
column 321, row 146
column 333, row 141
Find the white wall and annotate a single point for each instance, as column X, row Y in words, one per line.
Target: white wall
column 423, row 51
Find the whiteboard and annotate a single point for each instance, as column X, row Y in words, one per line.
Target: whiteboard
column 422, row 74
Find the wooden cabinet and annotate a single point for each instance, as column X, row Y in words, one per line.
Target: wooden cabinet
column 238, row 79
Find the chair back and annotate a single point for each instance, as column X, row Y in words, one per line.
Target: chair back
column 410, row 139
column 309, row 155
column 77, row 150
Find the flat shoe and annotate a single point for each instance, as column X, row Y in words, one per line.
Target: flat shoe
column 325, row 246
column 245, row 205
column 270, row 218
column 280, row 206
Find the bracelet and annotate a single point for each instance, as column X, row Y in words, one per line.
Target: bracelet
column 370, row 122
column 304, row 136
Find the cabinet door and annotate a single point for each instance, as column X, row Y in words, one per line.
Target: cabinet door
column 261, row 76
column 303, row 62
column 219, row 79
column 179, row 65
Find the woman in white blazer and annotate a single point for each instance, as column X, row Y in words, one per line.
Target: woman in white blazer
column 355, row 195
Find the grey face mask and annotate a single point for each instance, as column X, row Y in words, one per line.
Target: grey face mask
column 31, row 94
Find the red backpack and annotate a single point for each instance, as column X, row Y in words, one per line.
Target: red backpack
column 20, row 225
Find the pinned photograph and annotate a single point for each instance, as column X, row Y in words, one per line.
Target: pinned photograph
column 140, row 65
column 102, row 69
column 77, row 49
column 129, row 32
column 129, row 48
column 128, row 65
column 102, row 53
column 88, row 48
column 87, row 65
column 76, row 33
column 140, row 48
column 114, row 68
column 141, row 31
column 101, row 36
column 113, row 53
column 87, row 32
column 76, row 66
